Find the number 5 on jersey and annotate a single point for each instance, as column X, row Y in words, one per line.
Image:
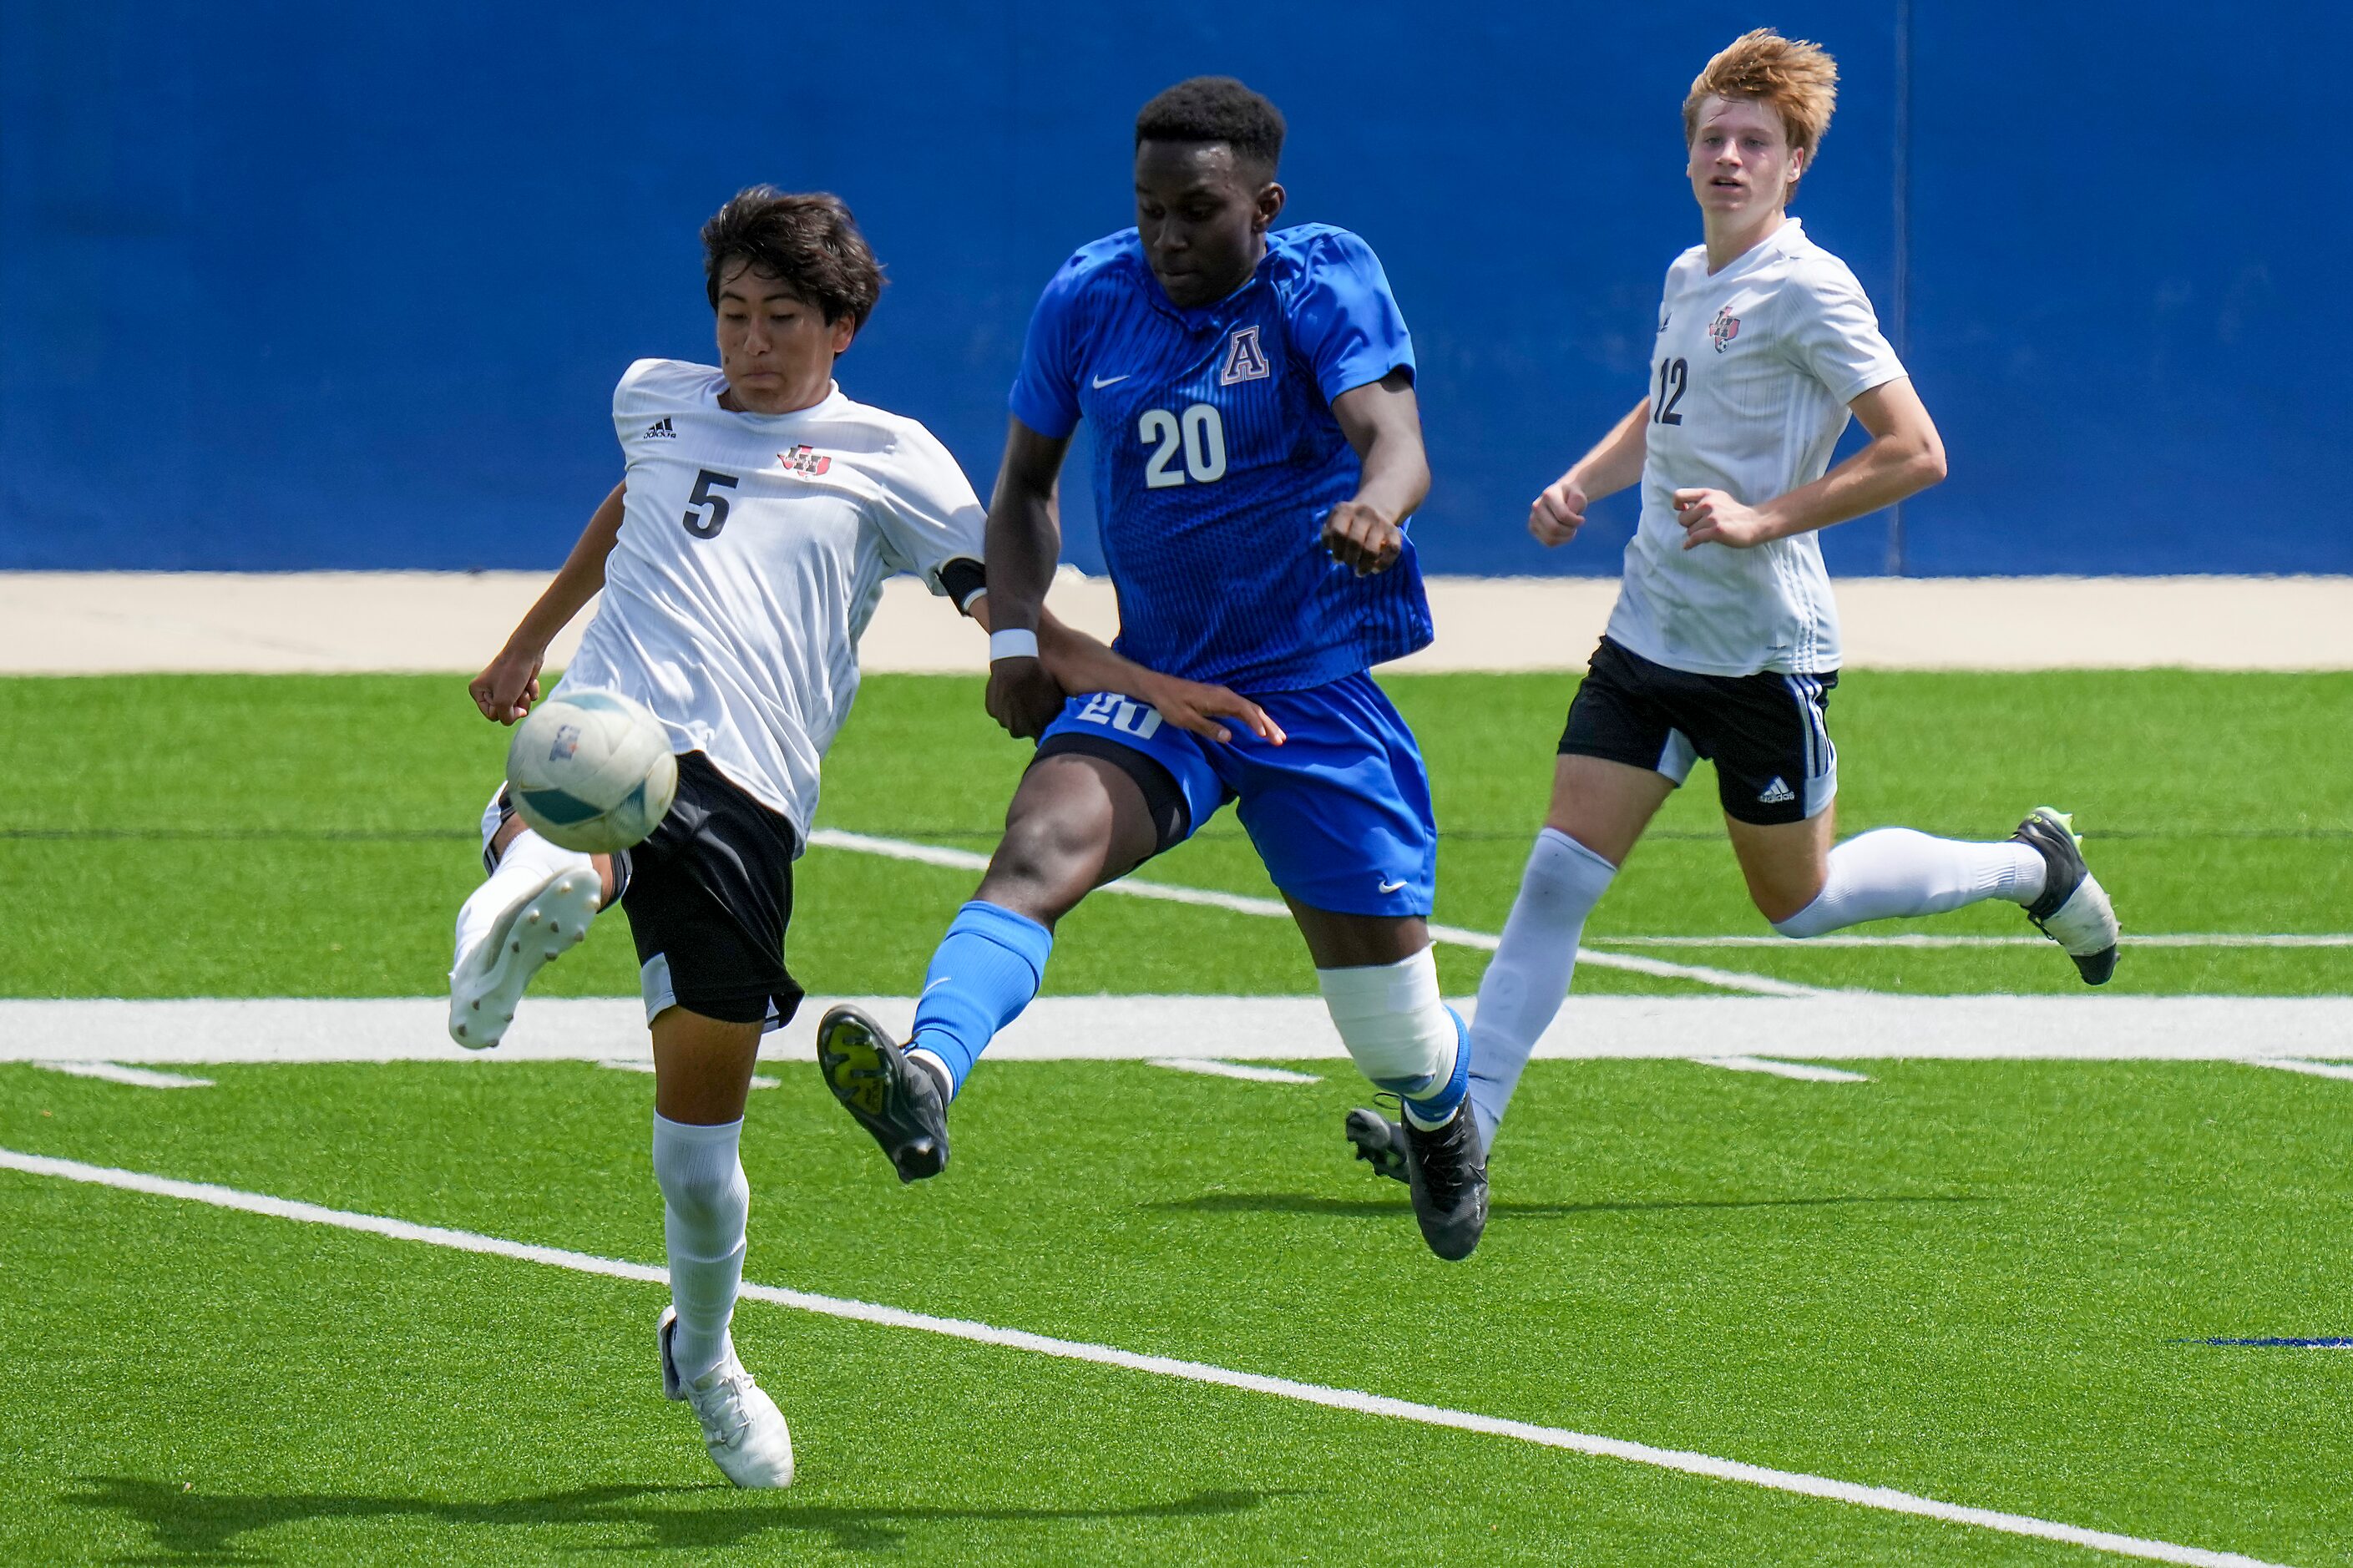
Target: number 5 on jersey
column 1202, row 433
column 699, row 524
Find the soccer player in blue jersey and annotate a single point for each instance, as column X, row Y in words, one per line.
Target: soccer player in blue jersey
column 1258, row 450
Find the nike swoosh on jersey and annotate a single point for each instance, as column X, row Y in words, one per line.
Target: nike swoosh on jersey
column 1391, row 887
column 1103, row 381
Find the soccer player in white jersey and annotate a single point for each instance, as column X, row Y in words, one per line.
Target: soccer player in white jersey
column 739, row 559
column 1724, row 642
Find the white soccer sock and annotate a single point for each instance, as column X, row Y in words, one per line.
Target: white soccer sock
column 704, row 1203
column 1527, row 979
column 1894, row 871
column 527, row 861
column 1394, row 1023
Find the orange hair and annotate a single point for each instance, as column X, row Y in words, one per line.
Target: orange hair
column 1796, row 80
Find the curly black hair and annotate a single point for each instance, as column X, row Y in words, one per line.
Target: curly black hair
column 1216, row 108
column 809, row 242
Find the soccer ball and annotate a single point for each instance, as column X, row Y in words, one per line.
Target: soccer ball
column 592, row 771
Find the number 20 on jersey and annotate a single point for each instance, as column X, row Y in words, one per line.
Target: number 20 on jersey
column 1199, row 435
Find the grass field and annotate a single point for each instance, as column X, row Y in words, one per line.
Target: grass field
column 310, row 837
column 1987, row 1283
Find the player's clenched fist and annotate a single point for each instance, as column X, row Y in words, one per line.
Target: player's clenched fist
column 1557, row 512
column 506, row 686
column 1712, row 516
column 1022, row 696
column 1362, row 537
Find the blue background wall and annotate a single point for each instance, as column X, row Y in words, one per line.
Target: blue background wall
column 307, row 285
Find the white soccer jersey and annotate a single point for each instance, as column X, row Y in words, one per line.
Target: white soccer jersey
column 1749, row 386
column 753, row 550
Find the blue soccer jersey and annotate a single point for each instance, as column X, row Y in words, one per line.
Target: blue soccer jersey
column 1217, row 456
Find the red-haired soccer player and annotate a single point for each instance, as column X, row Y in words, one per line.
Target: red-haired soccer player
column 1724, row 642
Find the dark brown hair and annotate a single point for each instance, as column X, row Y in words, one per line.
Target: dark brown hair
column 808, row 242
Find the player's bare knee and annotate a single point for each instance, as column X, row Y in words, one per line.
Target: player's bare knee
column 1047, row 862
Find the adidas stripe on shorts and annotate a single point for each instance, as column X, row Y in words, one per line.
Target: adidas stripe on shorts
column 1765, row 733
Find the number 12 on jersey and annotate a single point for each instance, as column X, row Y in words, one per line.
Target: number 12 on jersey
column 1673, row 374
column 1202, row 434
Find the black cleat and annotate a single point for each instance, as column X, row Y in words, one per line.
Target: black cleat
column 2074, row 909
column 891, row 1098
column 1379, row 1143
column 1449, row 1183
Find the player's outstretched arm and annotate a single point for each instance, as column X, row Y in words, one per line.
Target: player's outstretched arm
column 1615, row 463
column 1383, row 423
column 1078, row 662
column 1905, row 457
column 509, row 684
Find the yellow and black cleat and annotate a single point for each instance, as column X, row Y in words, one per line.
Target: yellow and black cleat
column 890, row 1096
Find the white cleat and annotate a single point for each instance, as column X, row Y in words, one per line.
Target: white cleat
column 543, row 923
column 2074, row 909
column 742, row 1426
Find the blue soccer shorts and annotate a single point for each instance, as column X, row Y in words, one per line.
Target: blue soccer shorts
column 1339, row 813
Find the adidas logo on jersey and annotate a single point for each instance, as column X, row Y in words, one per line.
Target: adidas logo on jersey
column 1245, row 360
column 805, row 461
column 660, row 430
column 1775, row 794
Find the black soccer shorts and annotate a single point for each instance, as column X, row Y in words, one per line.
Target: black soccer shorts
column 1765, row 733
column 709, row 896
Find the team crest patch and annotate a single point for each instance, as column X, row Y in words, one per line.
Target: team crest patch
column 1245, row 360
column 805, row 461
column 1724, row 329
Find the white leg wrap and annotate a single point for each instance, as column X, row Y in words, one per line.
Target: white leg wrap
column 1892, row 871
column 705, row 1202
column 1392, row 1021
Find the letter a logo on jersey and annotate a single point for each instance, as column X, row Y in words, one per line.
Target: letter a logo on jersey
column 1245, row 360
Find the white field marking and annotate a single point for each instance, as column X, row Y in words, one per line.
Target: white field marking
column 627, row 1064
column 1274, row 909
column 1924, row 939
column 2295, row 1064
column 139, row 1078
column 2086, row 1025
column 1217, row 1069
column 1806, row 1070
column 1885, row 1499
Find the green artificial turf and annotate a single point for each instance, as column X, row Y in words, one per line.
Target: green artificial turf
column 312, row 836
column 1973, row 1281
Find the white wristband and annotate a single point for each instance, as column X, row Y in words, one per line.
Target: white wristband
column 1012, row 644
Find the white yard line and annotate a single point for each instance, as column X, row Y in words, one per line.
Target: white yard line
column 1924, row 939
column 2094, row 1025
column 1805, row 1070
column 1885, row 1499
column 627, row 1064
column 139, row 1078
column 2297, row 1064
column 1273, row 909
column 1216, row 1069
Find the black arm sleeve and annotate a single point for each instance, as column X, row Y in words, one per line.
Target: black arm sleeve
column 964, row 579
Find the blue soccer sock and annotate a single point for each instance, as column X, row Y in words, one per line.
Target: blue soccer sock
column 1433, row 1108
column 984, row 972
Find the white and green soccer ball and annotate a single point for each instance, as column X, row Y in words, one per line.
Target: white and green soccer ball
column 592, row 771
